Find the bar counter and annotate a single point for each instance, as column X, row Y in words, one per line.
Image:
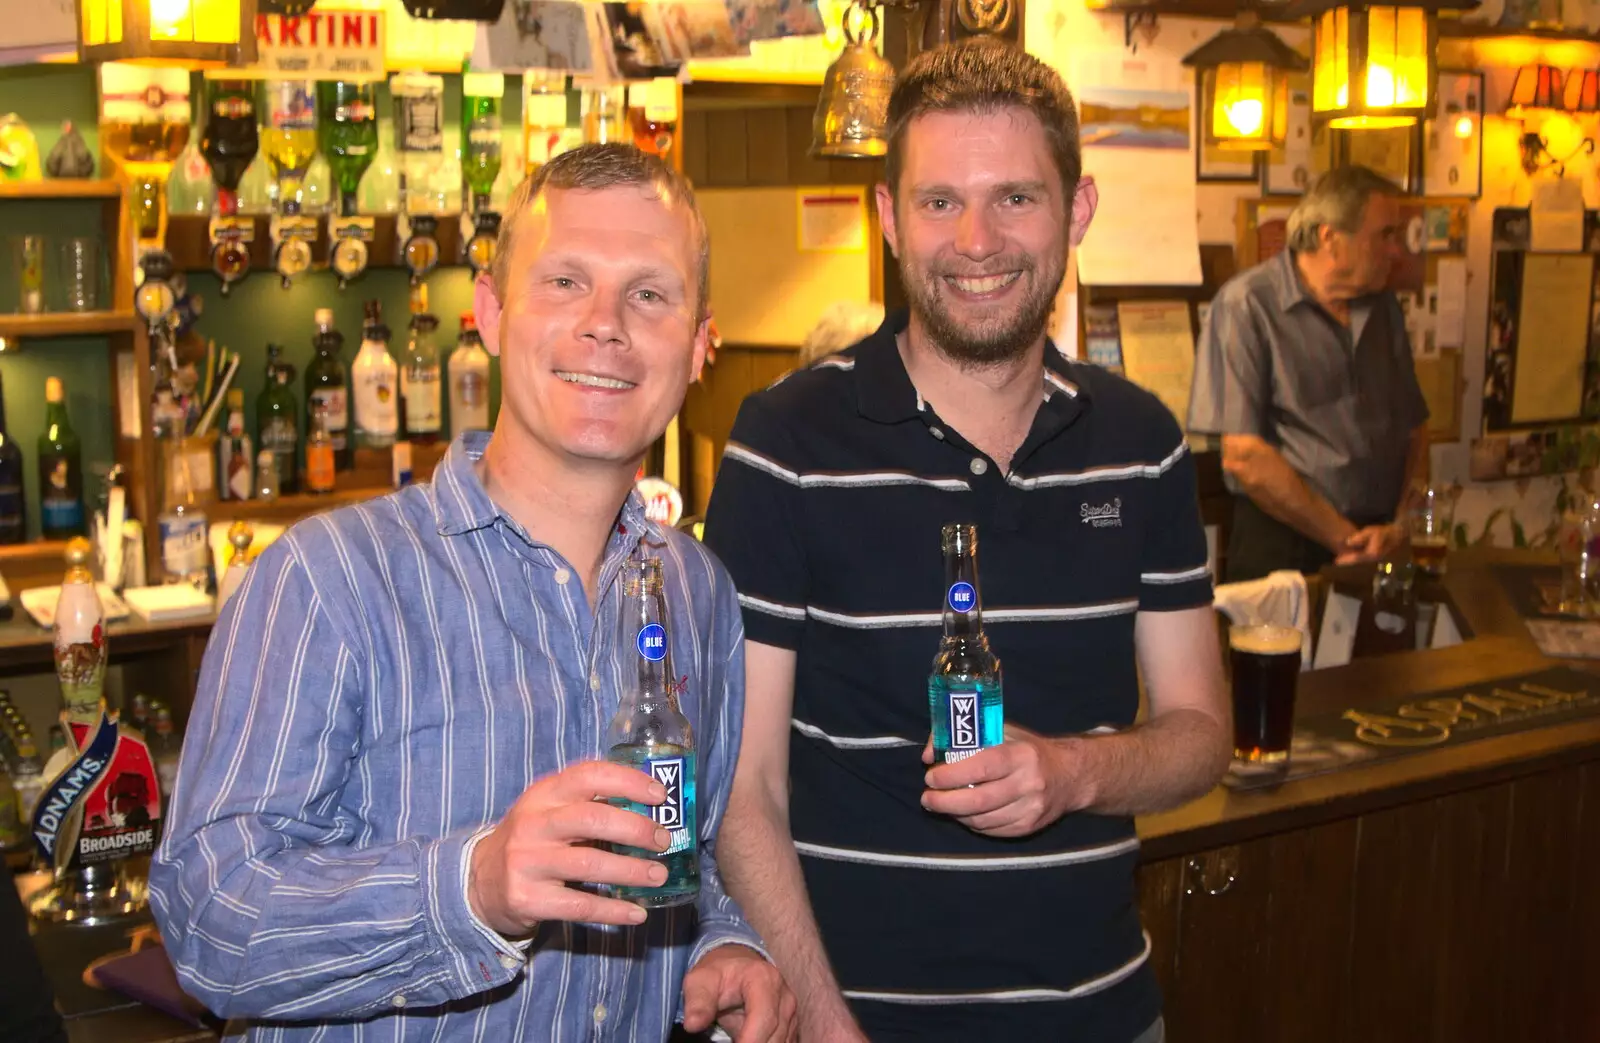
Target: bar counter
column 1449, row 894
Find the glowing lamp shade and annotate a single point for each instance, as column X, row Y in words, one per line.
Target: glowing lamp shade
column 1372, row 66
column 1537, row 87
column 1582, row 91
column 195, row 33
column 1244, row 88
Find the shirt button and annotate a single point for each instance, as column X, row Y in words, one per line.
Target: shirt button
column 399, row 1000
column 562, row 575
column 937, row 432
column 594, row 682
column 599, row 1013
column 979, row 465
column 510, row 963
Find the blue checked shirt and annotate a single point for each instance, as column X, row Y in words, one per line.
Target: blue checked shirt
column 387, row 681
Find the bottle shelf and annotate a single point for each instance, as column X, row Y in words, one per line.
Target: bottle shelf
column 62, row 188
column 372, row 476
column 189, row 243
column 68, row 324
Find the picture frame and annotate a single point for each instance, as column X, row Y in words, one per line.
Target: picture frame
column 1452, row 162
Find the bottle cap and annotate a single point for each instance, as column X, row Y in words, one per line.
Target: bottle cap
column 468, row 321
column 53, row 392
column 235, row 398
column 324, row 317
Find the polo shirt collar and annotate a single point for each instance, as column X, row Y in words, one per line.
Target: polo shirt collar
column 884, row 391
column 1286, row 279
column 461, row 503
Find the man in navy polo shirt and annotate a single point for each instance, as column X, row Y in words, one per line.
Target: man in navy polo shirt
column 994, row 898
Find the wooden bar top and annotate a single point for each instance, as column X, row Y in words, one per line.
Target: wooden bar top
column 1499, row 646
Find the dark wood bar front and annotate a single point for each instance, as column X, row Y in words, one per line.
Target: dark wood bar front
column 1446, row 895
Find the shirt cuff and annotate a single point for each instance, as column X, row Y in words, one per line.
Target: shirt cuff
column 728, row 934
column 484, row 958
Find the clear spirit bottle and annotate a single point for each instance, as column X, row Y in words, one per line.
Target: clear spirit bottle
column 964, row 690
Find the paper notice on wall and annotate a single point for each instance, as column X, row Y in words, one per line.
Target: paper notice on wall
column 1450, row 322
column 1144, row 231
column 1158, row 350
column 1557, row 216
column 833, row 220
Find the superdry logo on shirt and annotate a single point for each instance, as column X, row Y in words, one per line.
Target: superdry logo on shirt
column 1104, row 516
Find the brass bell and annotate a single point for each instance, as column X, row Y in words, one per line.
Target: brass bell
column 853, row 110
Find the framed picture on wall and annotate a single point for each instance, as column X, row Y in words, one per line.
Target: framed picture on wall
column 1290, row 169
column 1391, row 152
column 1452, row 157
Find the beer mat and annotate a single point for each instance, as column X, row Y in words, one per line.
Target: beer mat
column 1535, row 590
column 1395, row 727
column 147, row 976
column 1566, row 638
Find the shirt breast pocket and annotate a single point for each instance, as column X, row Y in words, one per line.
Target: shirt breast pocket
column 1306, row 382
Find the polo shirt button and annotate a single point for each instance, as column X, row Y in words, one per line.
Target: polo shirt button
column 599, row 1013
column 594, row 682
column 399, row 1000
column 562, row 575
column 979, row 465
column 937, row 432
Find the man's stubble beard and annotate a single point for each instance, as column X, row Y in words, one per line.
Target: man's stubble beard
column 1005, row 337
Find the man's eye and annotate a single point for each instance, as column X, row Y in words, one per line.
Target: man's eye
column 1018, row 199
column 649, row 295
column 938, row 204
column 562, row 282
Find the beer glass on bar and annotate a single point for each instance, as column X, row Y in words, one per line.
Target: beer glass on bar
column 1432, row 514
column 1265, row 662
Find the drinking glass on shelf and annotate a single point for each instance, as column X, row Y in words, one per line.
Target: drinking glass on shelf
column 1432, row 517
column 27, row 264
column 78, row 275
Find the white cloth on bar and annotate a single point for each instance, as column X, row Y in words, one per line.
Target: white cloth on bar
column 1278, row 598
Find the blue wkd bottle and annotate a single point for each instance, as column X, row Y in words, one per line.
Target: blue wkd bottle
column 964, row 688
column 650, row 732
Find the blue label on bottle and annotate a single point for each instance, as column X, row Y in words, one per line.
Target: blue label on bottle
column 962, row 597
column 653, row 642
column 60, row 514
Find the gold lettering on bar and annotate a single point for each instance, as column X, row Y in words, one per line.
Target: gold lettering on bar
column 1429, row 721
column 1376, row 729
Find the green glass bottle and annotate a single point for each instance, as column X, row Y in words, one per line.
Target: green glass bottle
column 326, row 392
column 60, row 469
column 277, row 421
column 349, row 136
column 481, row 93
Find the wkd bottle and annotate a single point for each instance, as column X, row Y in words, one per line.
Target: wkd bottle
column 650, row 733
column 964, row 688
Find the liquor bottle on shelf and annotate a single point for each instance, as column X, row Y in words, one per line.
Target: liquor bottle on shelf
column 419, row 136
column 277, row 423
column 380, row 188
column 289, row 137
column 469, row 380
column 326, row 391
column 349, row 132
column 60, row 468
column 545, row 134
column 605, row 117
column 320, row 468
column 653, row 115
column 650, row 732
column 190, row 188
column 267, row 475
column 375, row 378
column 964, row 689
column 419, row 377
column 13, row 502
column 235, row 454
column 289, row 140
column 144, row 125
column 481, row 94
column 230, row 143
column 185, row 549
column 165, row 747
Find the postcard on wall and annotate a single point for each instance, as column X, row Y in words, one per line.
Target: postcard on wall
column 1557, row 216
column 636, row 45
column 1552, row 341
column 1158, row 350
column 773, row 19
column 1452, row 159
column 543, row 34
column 1101, row 335
column 694, row 30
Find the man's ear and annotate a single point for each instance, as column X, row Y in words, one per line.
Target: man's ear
column 891, row 234
column 1083, row 206
column 486, row 312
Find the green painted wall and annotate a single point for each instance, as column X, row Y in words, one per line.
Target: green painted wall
column 256, row 312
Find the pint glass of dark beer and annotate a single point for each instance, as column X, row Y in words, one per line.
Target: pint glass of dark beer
column 1266, row 665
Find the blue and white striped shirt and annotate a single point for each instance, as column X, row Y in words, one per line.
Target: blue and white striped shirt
column 388, row 680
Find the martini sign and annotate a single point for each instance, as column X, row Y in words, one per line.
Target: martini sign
column 324, row 43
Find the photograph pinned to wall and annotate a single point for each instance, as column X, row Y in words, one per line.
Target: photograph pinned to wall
column 1289, row 169
column 635, row 44
column 1512, row 228
column 1390, row 152
column 693, row 30
column 1102, row 336
column 1452, row 159
column 1505, row 298
column 773, row 19
column 541, row 34
column 1115, row 117
column 1445, row 228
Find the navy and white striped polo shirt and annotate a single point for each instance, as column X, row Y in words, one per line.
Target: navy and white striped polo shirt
column 827, row 512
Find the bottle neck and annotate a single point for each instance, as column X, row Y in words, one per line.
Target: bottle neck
column 55, row 418
column 963, row 607
column 644, row 637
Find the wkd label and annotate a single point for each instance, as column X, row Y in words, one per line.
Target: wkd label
column 963, row 726
column 670, row 814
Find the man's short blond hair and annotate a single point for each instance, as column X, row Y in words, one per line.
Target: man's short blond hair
column 605, row 166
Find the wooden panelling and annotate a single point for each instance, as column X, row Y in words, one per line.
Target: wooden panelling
column 1471, row 882
column 1310, row 884
column 1539, row 902
column 805, row 168
column 767, row 145
column 692, row 142
column 1160, row 905
column 1583, row 1001
column 727, row 149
